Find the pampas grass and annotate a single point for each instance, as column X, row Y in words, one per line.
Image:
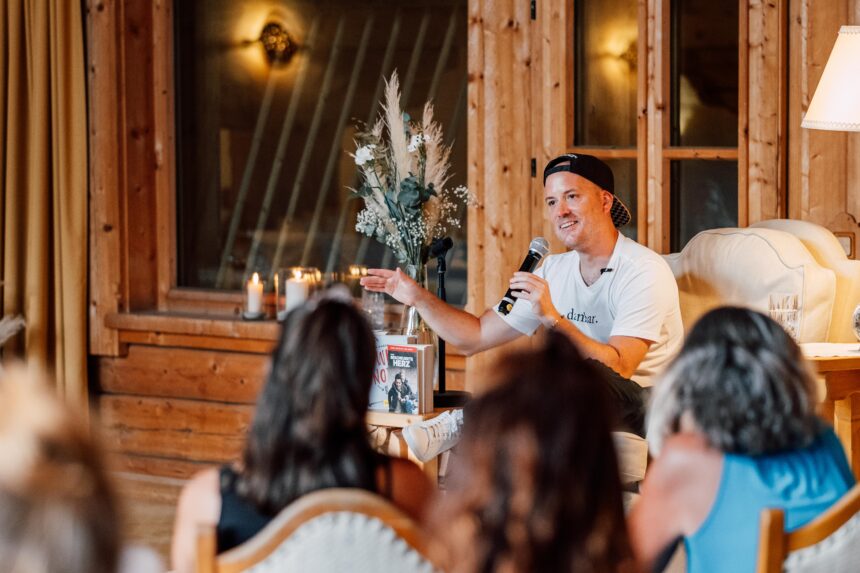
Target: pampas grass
column 404, row 167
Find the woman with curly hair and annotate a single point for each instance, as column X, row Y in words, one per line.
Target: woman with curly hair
column 537, row 486
column 734, row 429
column 309, row 433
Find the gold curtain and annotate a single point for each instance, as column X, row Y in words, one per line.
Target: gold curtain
column 43, row 212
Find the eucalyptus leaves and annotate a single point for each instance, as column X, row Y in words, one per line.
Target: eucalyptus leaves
column 404, row 169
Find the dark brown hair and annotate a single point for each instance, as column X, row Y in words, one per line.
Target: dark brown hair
column 309, row 429
column 536, row 484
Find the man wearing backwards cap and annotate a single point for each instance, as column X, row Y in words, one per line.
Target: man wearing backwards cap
column 614, row 298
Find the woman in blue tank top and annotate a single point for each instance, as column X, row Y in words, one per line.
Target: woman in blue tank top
column 734, row 430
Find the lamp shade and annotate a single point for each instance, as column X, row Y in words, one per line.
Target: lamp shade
column 836, row 103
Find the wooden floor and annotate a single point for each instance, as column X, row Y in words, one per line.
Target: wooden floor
column 149, row 505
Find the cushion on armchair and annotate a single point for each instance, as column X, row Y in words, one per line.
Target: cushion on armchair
column 742, row 267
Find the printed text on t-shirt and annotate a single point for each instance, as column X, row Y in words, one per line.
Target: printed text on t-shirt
column 581, row 317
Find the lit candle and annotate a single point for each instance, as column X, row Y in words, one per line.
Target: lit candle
column 353, row 278
column 297, row 290
column 254, row 305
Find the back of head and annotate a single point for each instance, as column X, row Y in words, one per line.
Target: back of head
column 57, row 509
column 743, row 382
column 309, row 430
column 536, row 487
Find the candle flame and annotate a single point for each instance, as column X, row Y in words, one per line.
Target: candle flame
column 297, row 274
column 255, row 278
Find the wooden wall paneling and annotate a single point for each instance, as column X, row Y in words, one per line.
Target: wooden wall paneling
column 765, row 65
column 501, row 144
column 798, row 85
column 182, row 373
column 747, row 19
column 642, row 120
column 155, row 466
column 475, row 143
column 823, row 171
column 552, row 84
column 165, row 150
column 136, row 33
column 849, row 219
column 657, row 189
column 105, row 92
column 174, row 428
column 818, row 172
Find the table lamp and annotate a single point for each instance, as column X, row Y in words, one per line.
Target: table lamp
column 836, row 103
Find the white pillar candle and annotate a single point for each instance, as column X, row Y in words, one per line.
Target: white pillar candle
column 297, row 290
column 255, row 295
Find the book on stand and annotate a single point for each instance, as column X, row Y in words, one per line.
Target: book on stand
column 403, row 378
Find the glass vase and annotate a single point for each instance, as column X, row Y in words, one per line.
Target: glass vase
column 412, row 324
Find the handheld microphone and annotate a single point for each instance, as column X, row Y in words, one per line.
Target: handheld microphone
column 538, row 248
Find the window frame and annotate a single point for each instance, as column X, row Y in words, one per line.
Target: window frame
column 653, row 152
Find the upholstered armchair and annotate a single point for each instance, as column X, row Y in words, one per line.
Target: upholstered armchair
column 734, row 266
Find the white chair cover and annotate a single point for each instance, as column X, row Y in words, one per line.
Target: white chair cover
column 344, row 541
column 838, row 553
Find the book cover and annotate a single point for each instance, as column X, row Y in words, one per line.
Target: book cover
column 381, row 383
column 405, row 375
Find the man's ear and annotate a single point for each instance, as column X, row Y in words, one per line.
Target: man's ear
column 608, row 198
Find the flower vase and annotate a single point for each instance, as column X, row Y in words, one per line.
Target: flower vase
column 412, row 324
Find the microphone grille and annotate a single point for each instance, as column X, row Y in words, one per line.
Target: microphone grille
column 540, row 246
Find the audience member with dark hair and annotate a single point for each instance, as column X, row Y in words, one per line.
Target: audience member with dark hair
column 536, row 487
column 308, row 433
column 734, row 429
column 58, row 513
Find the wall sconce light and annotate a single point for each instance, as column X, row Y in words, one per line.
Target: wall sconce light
column 277, row 43
column 631, row 55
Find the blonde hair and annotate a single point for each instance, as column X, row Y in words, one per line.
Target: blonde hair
column 57, row 508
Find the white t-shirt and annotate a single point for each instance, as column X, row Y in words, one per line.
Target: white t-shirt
column 638, row 298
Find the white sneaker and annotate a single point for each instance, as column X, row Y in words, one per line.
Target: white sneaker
column 431, row 437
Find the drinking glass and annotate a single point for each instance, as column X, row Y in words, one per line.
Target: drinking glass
column 785, row 310
column 373, row 304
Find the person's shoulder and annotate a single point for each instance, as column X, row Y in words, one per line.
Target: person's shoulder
column 630, row 249
column 685, row 453
column 637, row 258
column 201, row 495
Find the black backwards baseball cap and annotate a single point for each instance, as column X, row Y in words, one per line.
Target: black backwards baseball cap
column 597, row 172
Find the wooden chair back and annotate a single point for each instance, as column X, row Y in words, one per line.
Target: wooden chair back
column 775, row 545
column 303, row 511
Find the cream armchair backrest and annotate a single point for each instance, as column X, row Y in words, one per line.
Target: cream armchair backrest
column 827, row 251
column 337, row 529
column 742, row 267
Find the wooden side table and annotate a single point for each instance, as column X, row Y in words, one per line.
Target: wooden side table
column 393, row 423
column 839, row 365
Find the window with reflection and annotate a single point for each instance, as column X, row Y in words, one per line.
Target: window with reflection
column 605, row 85
column 262, row 137
column 703, row 113
column 699, row 153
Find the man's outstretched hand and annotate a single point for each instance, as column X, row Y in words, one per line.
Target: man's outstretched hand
column 395, row 283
